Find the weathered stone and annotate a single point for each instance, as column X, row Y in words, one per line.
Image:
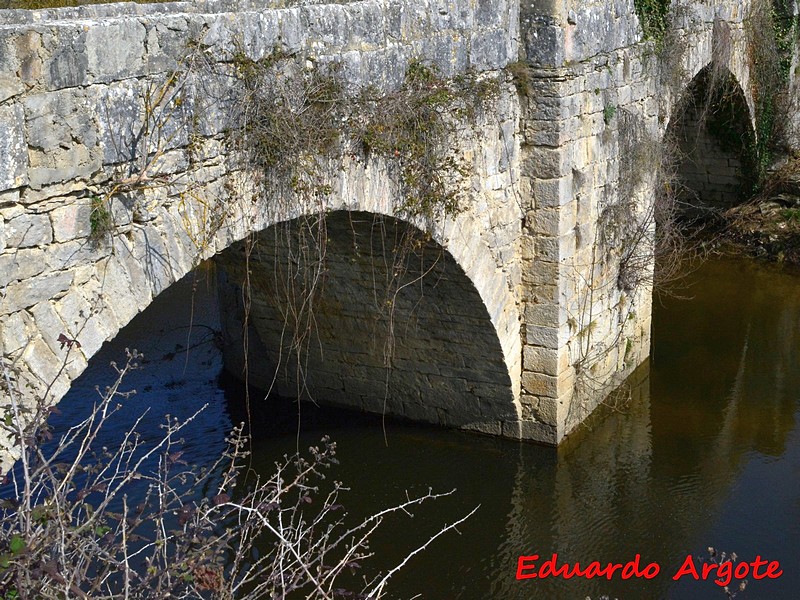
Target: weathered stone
column 116, row 285
column 13, row 154
column 540, row 360
column 66, row 188
column 75, row 162
column 68, row 65
column 74, row 253
column 546, row 337
column 10, row 87
column 23, row 294
column 86, row 322
column 115, row 49
column 49, row 325
column 540, row 385
column 28, row 230
column 15, row 332
column 46, row 366
column 28, row 50
column 21, row 264
column 72, row 221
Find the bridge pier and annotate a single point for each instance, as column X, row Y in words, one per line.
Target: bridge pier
column 589, row 120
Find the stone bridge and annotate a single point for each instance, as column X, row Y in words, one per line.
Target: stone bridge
column 515, row 315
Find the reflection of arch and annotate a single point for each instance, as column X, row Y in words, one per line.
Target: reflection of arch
column 448, row 365
column 712, row 138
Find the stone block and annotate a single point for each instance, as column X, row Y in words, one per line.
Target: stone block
column 49, row 325
column 10, row 86
column 119, row 111
column 32, row 291
column 546, row 163
column 15, row 332
column 115, row 49
column 91, row 323
column 543, row 44
column 485, row 427
column 28, row 230
column 13, row 150
column 488, row 50
column 552, row 193
column 540, row 360
column 543, row 222
column 42, row 362
column 547, row 410
column 72, row 221
column 544, row 314
column 538, row 431
column 541, row 273
column 20, row 265
column 68, row 63
column 539, row 384
column 552, row 249
column 38, row 199
column 546, row 337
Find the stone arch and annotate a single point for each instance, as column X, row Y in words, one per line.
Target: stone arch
column 160, row 249
column 701, row 35
column 711, row 133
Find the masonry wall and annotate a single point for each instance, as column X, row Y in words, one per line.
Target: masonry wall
column 597, row 99
column 711, row 174
column 81, row 126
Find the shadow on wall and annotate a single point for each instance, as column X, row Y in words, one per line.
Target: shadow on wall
column 711, row 143
column 330, row 310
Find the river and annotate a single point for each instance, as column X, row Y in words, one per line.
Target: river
column 705, row 453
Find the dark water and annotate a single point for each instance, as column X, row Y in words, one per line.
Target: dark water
column 706, row 453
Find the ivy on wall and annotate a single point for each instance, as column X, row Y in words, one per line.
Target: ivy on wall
column 652, row 17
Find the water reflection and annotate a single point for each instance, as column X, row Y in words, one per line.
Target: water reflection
column 705, row 452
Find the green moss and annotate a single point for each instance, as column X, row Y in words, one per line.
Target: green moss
column 100, row 221
column 791, row 214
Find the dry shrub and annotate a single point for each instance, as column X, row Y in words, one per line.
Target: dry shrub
column 136, row 521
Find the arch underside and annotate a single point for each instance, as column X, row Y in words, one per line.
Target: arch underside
column 367, row 312
column 711, row 132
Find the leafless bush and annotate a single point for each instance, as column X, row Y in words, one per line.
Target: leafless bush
column 73, row 526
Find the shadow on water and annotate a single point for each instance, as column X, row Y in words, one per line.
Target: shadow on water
column 706, row 451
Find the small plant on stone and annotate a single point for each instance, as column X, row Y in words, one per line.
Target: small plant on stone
column 100, row 221
column 411, row 127
column 609, row 110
